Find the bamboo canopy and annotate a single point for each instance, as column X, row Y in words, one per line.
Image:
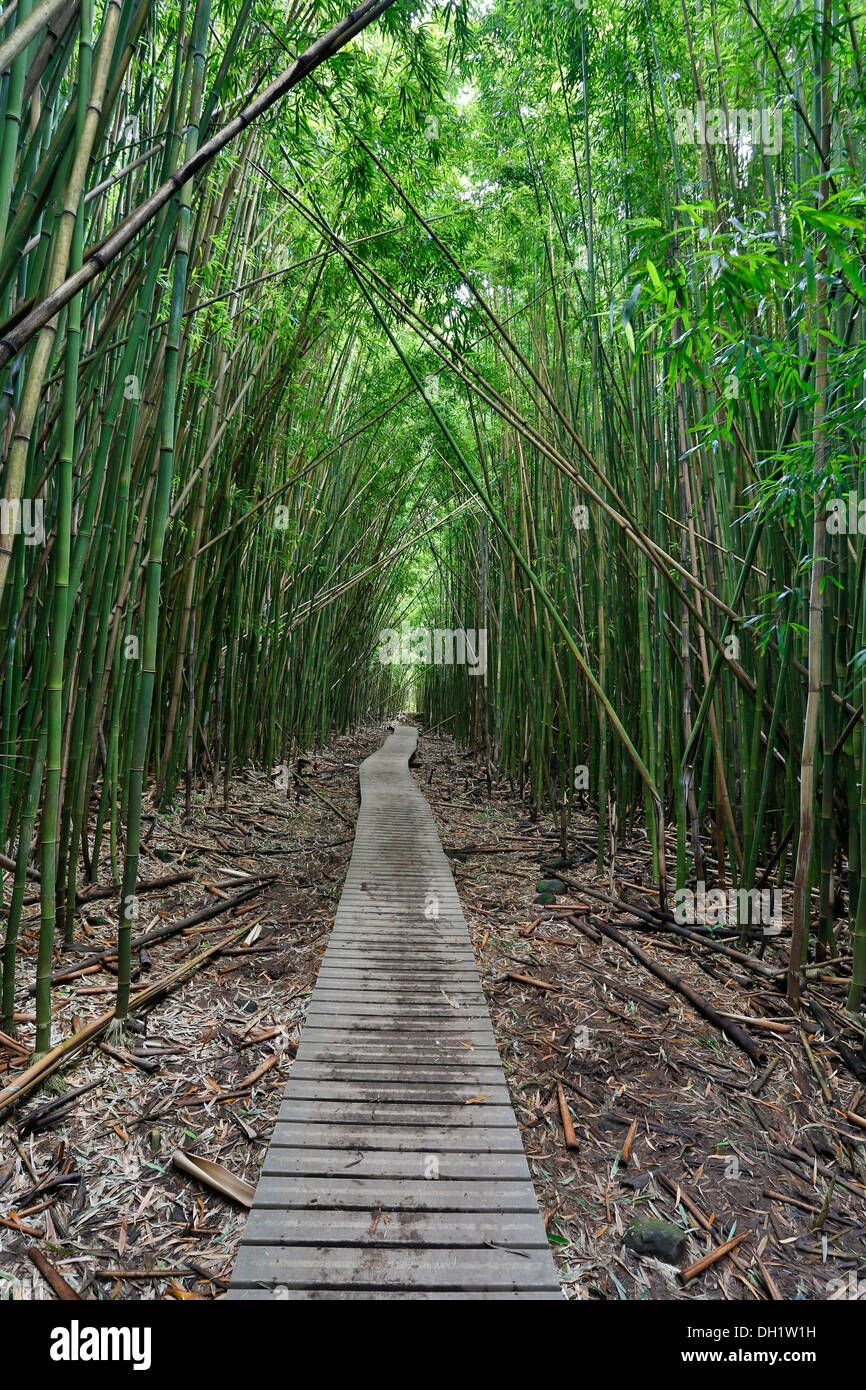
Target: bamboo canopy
column 545, row 324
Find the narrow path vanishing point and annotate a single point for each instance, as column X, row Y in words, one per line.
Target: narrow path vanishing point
column 396, row 1168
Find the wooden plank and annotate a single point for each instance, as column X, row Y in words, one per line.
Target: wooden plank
column 431, row 1138
column 376, row 1268
column 419, row 964
column 388, row 991
column 436, row 952
column 410, row 1164
column 381, row 1072
column 366, row 1028
column 463, row 1093
column 395, row 1112
column 403, row 987
column 394, row 1194
column 238, row 1294
column 359, row 1003
column 394, row 998
column 404, row 978
column 392, row 1229
column 424, row 1054
column 406, row 968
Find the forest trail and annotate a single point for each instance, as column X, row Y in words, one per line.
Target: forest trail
column 396, row 1167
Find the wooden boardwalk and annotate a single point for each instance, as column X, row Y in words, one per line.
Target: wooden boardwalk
column 382, row 1180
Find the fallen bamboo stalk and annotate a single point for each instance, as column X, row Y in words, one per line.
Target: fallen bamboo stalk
column 656, row 921
column 530, row 980
column 7, row 863
column 259, row 1072
column 13, row 1044
column 12, row 1223
column 758, row 1086
column 149, row 885
column 586, row 929
column 721, row 1250
column 330, row 804
column 703, row 1006
column 768, row 1279
column 52, row 1276
column 770, row 1025
column 816, row 1071
column 38, row 1071
column 202, row 914
column 52, row 1111
column 565, row 1115
column 112, row 890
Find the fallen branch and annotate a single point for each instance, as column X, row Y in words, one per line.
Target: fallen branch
column 203, row 914
column 64, row 1291
column 330, row 804
column 703, row 1006
column 655, row 920
column 46, row 1115
column 816, row 1071
column 700, row 1265
column 150, row 885
column 12, row 1044
column 758, row 1086
column 855, row 1062
column 53, row 1060
column 7, row 863
column 530, row 980
column 112, row 890
column 565, row 1116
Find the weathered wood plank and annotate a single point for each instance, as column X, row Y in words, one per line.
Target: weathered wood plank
column 366, row 1029
column 395, row 1112
column 360, row 1073
column 431, row 1138
column 376, row 1267
column 411, row 1164
column 392, row 1229
column 422, row 1056
column 239, row 1294
column 358, row 1003
column 387, row 1194
column 464, row 1094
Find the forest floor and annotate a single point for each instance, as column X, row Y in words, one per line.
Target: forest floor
column 671, row 1119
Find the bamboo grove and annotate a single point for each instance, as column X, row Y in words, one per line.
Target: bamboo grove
column 197, row 601
column 545, row 321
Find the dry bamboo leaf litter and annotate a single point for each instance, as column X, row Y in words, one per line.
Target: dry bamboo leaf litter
column 706, row 1133
column 215, row 1053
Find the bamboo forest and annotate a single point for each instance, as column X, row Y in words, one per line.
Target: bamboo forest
column 433, row 660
